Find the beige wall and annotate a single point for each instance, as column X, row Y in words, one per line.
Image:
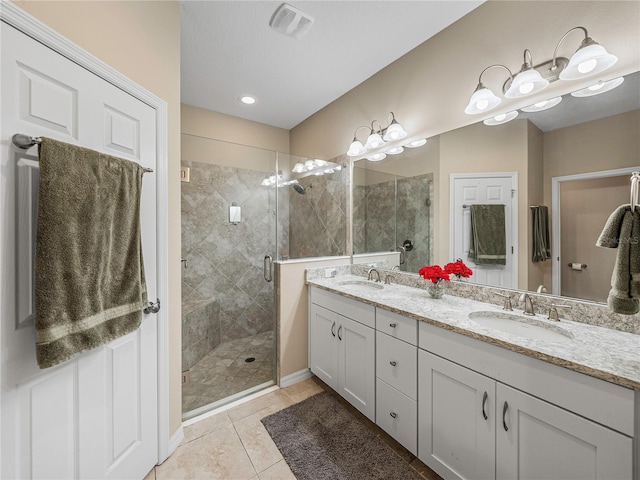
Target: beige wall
column 294, row 311
column 428, row 88
column 218, row 126
column 142, row 41
column 535, row 271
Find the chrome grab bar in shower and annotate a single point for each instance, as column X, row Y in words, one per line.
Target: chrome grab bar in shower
column 267, row 268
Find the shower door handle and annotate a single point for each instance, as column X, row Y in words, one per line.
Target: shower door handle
column 267, row 267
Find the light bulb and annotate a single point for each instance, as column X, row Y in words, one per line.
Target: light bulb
column 309, row 164
column 586, row 67
column 526, row 88
column 482, row 104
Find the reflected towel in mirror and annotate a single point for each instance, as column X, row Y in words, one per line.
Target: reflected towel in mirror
column 488, row 245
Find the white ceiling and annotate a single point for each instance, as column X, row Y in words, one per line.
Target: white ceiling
column 229, row 50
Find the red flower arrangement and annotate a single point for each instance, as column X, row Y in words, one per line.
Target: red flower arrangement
column 459, row 269
column 436, row 273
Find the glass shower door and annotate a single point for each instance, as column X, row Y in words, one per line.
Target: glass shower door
column 228, row 305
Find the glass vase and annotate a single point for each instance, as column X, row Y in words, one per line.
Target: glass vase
column 436, row 290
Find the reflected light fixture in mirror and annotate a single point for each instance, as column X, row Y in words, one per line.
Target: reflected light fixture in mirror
column 590, row 59
column 416, row 143
column 395, row 150
column 501, row 118
column 544, row 105
column 598, row 88
column 376, row 157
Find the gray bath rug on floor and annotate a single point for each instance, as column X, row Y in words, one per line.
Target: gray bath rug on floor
column 321, row 439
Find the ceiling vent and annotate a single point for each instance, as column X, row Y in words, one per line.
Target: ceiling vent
column 291, row 21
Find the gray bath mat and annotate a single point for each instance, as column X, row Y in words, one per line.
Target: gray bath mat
column 321, row 439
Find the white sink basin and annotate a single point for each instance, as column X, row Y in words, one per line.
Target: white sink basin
column 521, row 326
column 361, row 285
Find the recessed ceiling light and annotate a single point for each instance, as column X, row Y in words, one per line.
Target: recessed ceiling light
column 248, row 99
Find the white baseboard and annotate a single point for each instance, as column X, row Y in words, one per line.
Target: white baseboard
column 176, row 439
column 295, row 377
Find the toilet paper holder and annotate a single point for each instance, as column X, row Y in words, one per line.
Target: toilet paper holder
column 577, row 266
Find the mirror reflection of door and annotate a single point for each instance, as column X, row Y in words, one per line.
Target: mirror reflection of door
column 586, row 206
column 468, row 189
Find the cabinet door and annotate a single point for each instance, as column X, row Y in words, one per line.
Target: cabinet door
column 456, row 419
column 323, row 345
column 356, row 364
column 535, row 439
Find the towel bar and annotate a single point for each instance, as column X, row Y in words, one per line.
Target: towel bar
column 25, row 142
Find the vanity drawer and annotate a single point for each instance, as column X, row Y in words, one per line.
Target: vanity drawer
column 397, row 326
column 397, row 364
column 397, row 415
column 358, row 311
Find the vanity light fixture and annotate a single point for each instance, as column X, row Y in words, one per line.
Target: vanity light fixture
column 501, row 118
column 527, row 81
column 598, row 88
column 377, row 137
column 543, row 105
column 590, row 59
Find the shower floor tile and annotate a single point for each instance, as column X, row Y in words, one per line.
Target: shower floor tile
column 224, row 371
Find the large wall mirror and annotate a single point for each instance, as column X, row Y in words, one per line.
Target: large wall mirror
column 585, row 148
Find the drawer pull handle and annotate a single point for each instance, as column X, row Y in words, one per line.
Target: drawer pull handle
column 339, row 328
column 393, row 414
column 393, row 325
column 504, row 413
column 393, row 363
column 484, row 404
column 333, row 329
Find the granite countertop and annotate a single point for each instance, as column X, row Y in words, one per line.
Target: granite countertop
column 607, row 354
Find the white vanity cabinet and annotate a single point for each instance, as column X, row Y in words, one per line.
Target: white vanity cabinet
column 473, row 426
column 397, row 375
column 342, row 347
column 456, row 419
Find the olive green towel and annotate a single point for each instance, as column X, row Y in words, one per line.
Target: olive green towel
column 540, row 232
column 622, row 231
column 89, row 275
column 488, row 245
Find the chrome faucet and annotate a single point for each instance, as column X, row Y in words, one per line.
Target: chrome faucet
column 553, row 311
column 528, row 304
column 388, row 278
column 395, row 267
column 370, row 273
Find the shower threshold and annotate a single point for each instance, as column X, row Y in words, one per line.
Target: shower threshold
column 212, row 408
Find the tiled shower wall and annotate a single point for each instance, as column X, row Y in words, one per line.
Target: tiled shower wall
column 318, row 219
column 378, row 213
column 224, row 294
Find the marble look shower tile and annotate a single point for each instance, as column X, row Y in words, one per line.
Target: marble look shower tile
column 234, row 190
column 235, row 265
column 211, row 456
column 251, row 281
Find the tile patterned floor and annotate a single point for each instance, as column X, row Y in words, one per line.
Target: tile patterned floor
column 234, row 445
column 224, row 372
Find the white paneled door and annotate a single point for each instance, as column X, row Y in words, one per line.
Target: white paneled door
column 94, row 416
column 485, row 189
